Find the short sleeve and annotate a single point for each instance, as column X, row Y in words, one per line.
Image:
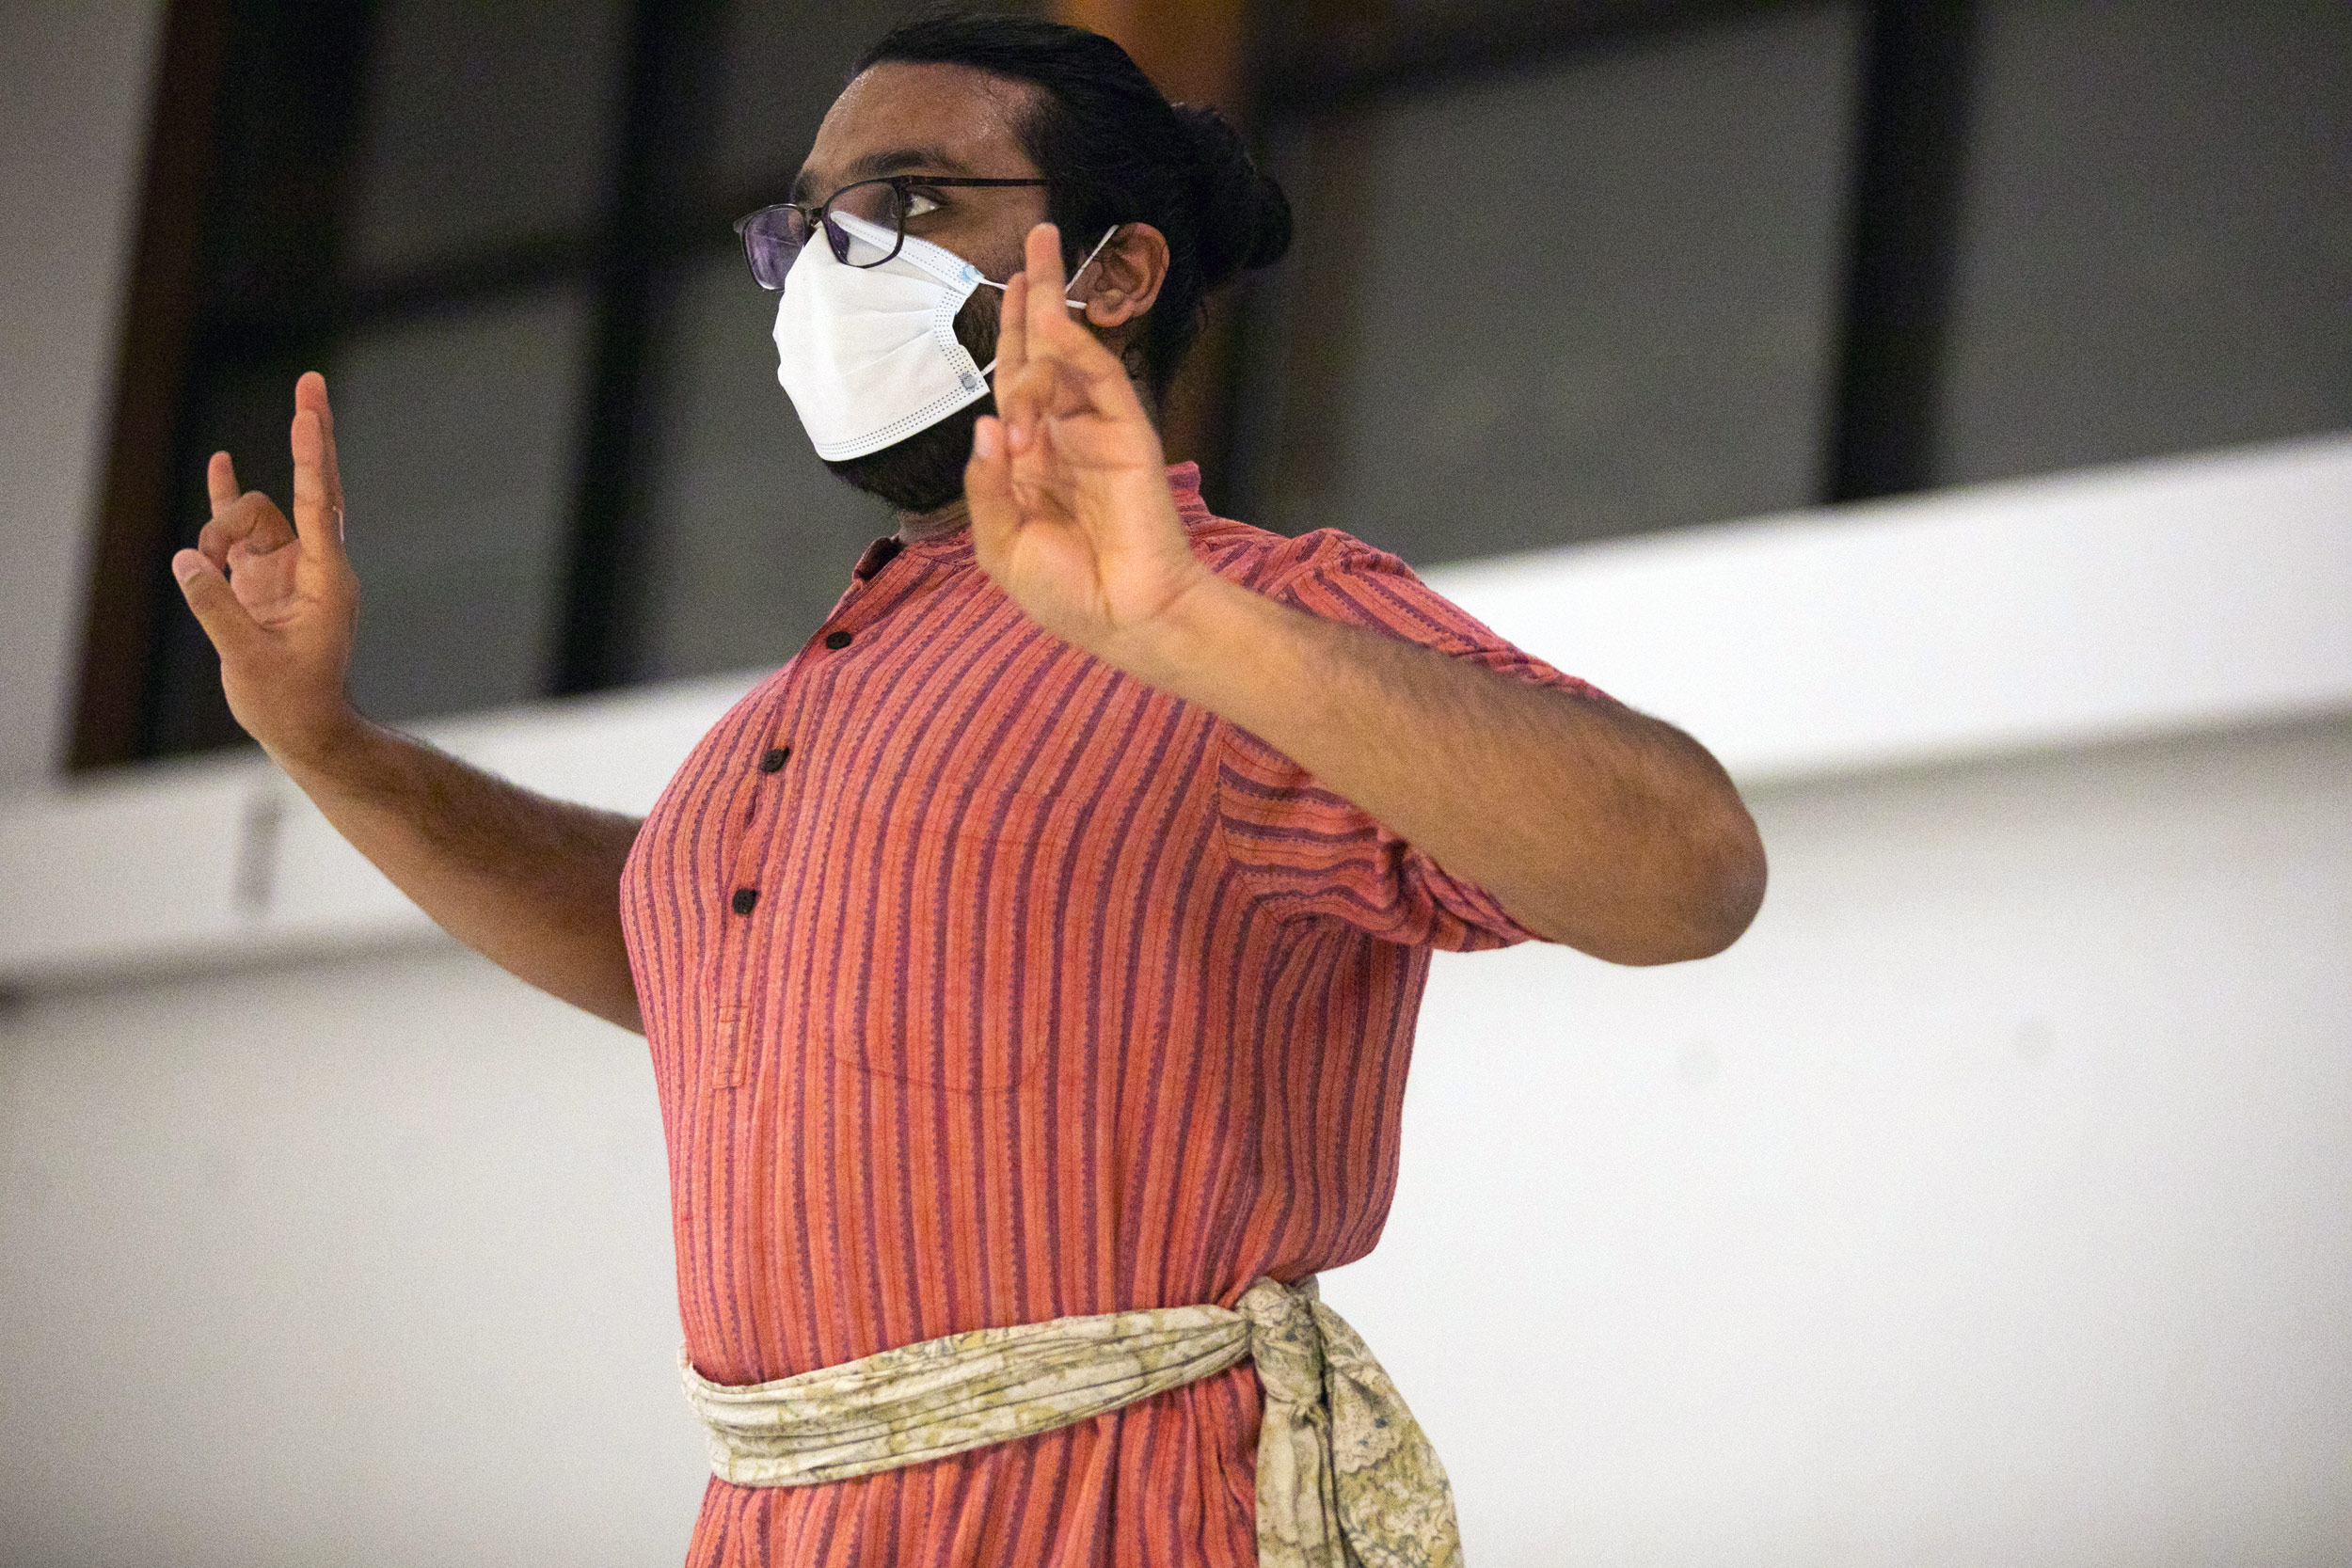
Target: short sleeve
column 1310, row 854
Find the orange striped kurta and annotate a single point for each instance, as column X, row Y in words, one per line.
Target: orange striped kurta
column 987, row 985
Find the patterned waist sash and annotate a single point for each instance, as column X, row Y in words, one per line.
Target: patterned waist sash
column 1345, row 1476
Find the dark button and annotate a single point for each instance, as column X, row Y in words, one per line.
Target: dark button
column 775, row 759
column 837, row 640
column 744, row 898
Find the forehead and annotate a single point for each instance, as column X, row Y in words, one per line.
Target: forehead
column 897, row 116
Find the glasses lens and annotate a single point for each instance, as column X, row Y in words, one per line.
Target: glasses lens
column 874, row 238
column 773, row 237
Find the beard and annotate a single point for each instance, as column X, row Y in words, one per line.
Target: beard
column 925, row 471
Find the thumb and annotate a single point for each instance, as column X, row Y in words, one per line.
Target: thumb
column 233, row 629
column 987, row 489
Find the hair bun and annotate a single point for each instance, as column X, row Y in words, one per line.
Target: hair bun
column 1246, row 219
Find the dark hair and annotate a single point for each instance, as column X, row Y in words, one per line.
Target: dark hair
column 1118, row 152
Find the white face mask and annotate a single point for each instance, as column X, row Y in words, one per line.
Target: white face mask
column 869, row 355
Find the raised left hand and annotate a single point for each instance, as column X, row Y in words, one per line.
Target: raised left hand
column 1068, row 485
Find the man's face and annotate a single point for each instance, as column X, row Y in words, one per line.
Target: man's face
column 904, row 118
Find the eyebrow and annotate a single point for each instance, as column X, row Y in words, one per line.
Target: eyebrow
column 875, row 165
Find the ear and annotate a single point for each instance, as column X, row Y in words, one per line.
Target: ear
column 1125, row 278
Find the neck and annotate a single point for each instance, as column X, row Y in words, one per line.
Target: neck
column 915, row 527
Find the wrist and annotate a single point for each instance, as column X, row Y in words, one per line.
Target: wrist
column 322, row 747
column 1190, row 648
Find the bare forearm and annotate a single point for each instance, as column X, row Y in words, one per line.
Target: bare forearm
column 1592, row 824
column 530, row 882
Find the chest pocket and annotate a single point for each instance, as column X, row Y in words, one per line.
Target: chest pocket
column 969, row 965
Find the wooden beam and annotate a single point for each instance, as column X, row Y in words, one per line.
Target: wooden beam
column 1191, row 49
column 127, row 573
column 254, row 118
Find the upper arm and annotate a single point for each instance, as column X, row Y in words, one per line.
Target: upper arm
column 1307, row 850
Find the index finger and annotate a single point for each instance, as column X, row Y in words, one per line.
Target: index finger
column 317, row 516
column 220, row 482
column 1046, row 311
column 310, row 393
column 1012, row 344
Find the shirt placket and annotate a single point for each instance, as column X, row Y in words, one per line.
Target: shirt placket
column 763, row 790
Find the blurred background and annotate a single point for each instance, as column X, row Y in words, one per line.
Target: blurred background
column 1991, row 1204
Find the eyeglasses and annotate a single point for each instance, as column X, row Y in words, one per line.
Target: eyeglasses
column 773, row 237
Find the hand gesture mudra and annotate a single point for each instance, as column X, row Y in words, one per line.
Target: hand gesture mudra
column 1068, row 485
column 278, row 600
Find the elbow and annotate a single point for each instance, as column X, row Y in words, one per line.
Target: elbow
column 1727, row 889
column 1699, row 867
column 1718, row 919
column 1725, row 907
column 1719, row 892
column 1692, row 903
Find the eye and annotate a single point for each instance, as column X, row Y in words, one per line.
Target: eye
column 921, row 203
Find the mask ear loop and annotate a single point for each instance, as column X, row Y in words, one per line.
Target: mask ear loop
column 1073, row 304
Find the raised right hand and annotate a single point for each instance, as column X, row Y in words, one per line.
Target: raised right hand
column 279, row 601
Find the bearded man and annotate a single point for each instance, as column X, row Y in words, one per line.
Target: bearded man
column 1030, row 965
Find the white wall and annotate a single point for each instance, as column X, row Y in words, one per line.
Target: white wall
column 1989, row 1205
column 73, row 101
column 361, row 1262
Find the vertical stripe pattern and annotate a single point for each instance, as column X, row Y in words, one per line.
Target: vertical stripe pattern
column 986, row 985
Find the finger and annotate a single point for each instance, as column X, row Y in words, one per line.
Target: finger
column 1037, row 394
column 1051, row 329
column 310, row 393
column 220, row 481
column 1017, row 383
column 987, row 489
column 1084, row 377
column 233, row 631
column 316, row 517
column 250, row 522
column 1046, row 286
column 1013, row 336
